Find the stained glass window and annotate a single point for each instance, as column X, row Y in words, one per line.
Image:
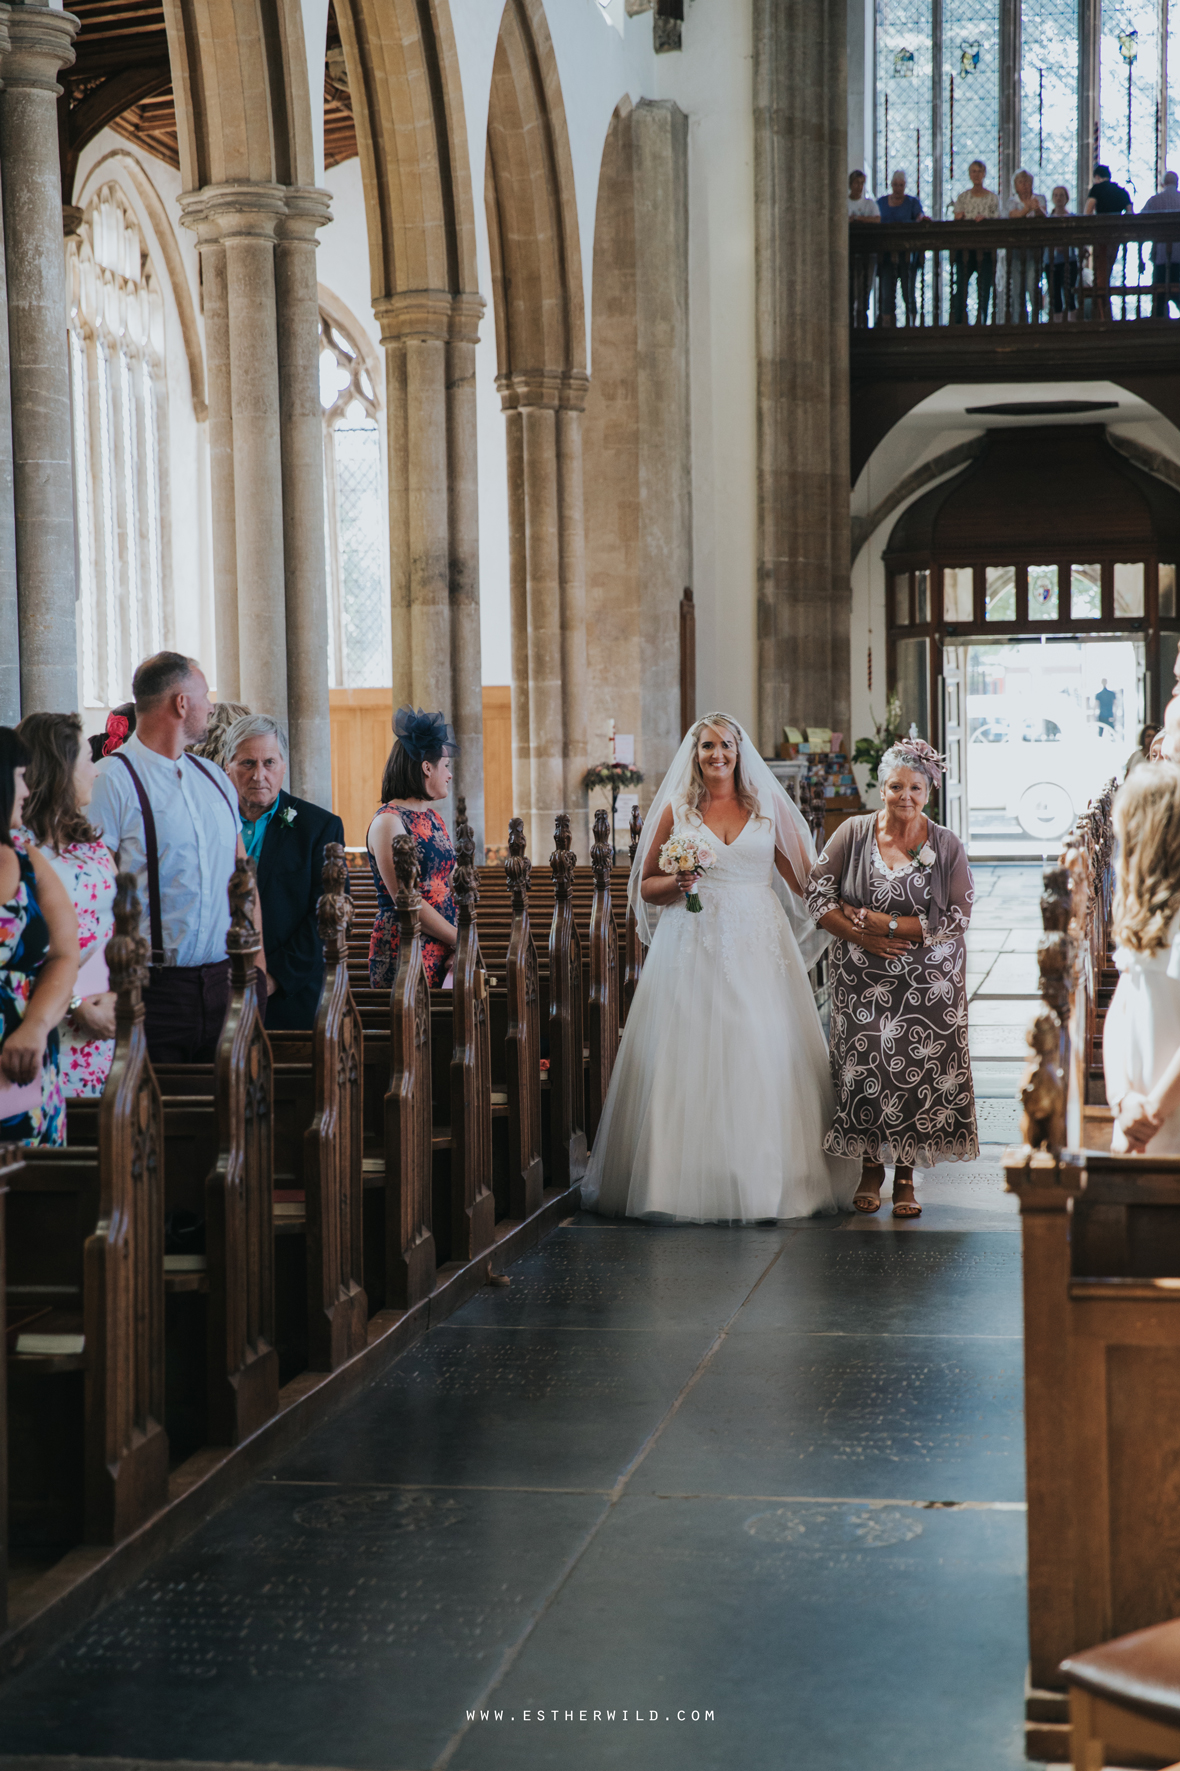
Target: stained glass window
column 971, row 95
column 116, row 330
column 359, row 641
column 958, row 593
column 1167, row 591
column 1000, row 604
column 904, row 95
column 1049, row 96
column 1129, row 95
column 1128, row 588
column 1042, row 593
column 1086, row 593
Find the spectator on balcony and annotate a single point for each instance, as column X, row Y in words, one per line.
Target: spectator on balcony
column 976, row 203
column 1106, row 198
column 1165, row 254
column 1062, row 260
column 862, row 269
column 1024, row 264
column 860, row 207
column 898, row 266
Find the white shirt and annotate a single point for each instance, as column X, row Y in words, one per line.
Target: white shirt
column 197, row 838
column 864, row 206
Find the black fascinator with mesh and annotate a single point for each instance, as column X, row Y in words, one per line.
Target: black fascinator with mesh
column 424, row 736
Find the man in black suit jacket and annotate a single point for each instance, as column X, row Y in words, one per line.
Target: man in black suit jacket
column 285, row 836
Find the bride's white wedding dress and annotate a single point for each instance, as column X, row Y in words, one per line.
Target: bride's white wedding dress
column 721, row 1092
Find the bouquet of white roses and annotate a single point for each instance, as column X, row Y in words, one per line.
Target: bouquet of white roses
column 685, row 854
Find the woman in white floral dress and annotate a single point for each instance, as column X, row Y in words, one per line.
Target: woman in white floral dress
column 895, row 891
column 60, row 777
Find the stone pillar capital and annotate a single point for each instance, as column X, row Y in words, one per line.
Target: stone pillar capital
column 40, row 41
column 247, row 210
column 555, row 390
column 308, row 210
column 429, row 314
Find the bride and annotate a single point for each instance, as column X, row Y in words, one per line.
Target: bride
column 721, row 1092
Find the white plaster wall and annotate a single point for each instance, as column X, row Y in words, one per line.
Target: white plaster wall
column 342, row 262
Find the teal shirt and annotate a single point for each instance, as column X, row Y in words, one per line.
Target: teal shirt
column 252, row 834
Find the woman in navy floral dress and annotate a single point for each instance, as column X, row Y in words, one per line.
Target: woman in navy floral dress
column 38, row 968
column 417, row 772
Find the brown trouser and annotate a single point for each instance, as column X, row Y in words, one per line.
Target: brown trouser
column 184, row 1010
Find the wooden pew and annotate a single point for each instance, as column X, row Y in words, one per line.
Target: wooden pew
column 1125, row 1700
column 10, row 1164
column 316, row 1127
column 526, row 1168
column 1101, row 1246
column 605, row 1009
column 473, row 1215
column 85, row 1276
column 632, row 945
column 567, row 1074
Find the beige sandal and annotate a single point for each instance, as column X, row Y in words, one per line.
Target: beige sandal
column 905, row 1208
column 868, row 1203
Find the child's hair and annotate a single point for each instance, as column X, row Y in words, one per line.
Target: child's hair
column 1147, row 824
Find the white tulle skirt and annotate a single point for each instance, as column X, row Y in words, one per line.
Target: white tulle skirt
column 721, row 1092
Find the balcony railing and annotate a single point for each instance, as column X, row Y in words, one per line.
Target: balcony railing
column 1093, row 271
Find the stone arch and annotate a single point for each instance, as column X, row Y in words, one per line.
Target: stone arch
column 541, row 355
column 531, row 208
column 240, row 79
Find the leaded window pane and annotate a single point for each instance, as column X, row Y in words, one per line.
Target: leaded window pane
column 1049, row 96
column 1042, row 593
column 1086, row 593
column 971, row 95
column 1128, row 94
column 1000, row 603
column 904, row 94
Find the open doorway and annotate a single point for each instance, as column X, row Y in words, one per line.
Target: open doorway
column 1048, row 722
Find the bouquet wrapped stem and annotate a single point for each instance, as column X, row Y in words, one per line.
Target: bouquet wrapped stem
column 686, row 854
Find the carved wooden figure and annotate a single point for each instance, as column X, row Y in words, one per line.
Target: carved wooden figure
column 337, row 1306
column 1042, row 1089
column 526, row 1176
column 567, row 1074
column 410, row 1260
column 126, row 1445
column 604, row 979
column 473, row 1209
column 633, row 946
column 243, row 1366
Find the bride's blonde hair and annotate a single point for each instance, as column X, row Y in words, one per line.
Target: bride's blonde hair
column 1147, row 824
column 697, row 787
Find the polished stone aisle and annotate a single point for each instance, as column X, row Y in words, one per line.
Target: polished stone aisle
column 679, row 1498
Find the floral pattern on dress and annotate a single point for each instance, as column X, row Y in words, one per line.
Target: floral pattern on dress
column 87, row 870
column 436, row 863
column 24, row 944
column 899, row 1056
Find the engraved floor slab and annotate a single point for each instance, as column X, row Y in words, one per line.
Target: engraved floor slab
column 938, row 1284
column 667, row 1276
column 795, row 1594
column 528, row 1406
column 314, row 1627
column 923, row 1418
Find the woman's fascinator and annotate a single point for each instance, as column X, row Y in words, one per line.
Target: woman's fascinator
column 423, row 736
column 925, row 759
column 119, row 727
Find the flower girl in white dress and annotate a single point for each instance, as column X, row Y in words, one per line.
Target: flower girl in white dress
column 721, row 1092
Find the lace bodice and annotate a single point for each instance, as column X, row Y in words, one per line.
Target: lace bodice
column 747, row 861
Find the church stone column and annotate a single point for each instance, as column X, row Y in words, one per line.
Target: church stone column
column 246, row 217
column 40, row 43
column 302, row 441
column 227, row 665
column 801, row 275
column 429, row 340
column 572, row 576
column 9, row 605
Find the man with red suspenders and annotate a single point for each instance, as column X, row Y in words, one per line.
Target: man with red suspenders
column 172, row 820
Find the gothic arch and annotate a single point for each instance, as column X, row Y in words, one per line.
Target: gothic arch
column 531, row 206
column 407, row 103
column 243, row 108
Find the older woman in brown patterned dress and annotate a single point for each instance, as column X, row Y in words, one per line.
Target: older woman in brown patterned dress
column 895, row 891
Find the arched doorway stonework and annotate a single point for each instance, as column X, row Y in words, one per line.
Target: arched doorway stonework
column 243, row 112
column 407, row 102
column 541, row 354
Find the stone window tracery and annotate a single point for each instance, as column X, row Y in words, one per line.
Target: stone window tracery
column 116, row 336
column 359, row 643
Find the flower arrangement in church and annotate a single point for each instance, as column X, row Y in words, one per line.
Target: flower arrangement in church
column 686, row 854
column 615, row 777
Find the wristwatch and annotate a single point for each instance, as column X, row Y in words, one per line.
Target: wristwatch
column 893, row 925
